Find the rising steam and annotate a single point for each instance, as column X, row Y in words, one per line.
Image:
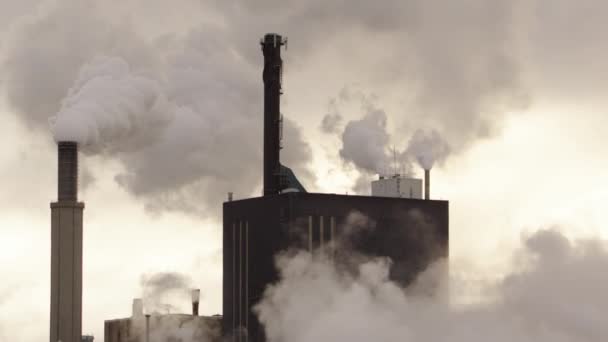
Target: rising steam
column 427, row 147
column 109, row 104
column 161, row 290
column 554, row 293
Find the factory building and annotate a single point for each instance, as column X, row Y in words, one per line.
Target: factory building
column 399, row 224
column 163, row 327
column 396, row 223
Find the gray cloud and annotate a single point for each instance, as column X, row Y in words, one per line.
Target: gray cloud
column 181, row 113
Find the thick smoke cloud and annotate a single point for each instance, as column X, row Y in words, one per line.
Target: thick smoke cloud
column 365, row 142
column 456, row 62
column 553, row 293
column 108, row 104
column 182, row 113
column 459, row 66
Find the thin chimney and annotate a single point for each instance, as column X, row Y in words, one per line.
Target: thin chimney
column 427, row 184
column 66, row 249
column 273, row 72
column 196, row 296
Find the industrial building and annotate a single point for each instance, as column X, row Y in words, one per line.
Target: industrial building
column 399, row 224
column 396, row 222
column 165, row 327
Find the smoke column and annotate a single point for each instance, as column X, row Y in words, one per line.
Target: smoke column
column 427, row 147
column 158, row 289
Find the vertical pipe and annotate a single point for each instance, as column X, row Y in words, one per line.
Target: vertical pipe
column 240, row 279
column 332, row 233
column 247, row 280
column 427, row 184
column 196, row 296
column 147, row 327
column 310, row 234
column 234, row 278
column 321, row 233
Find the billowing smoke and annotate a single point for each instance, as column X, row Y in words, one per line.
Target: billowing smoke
column 365, row 142
column 554, row 292
column 161, row 290
column 181, row 113
column 427, row 147
column 109, row 105
column 457, row 65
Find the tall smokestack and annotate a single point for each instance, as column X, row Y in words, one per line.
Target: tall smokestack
column 273, row 66
column 66, row 250
column 427, row 184
column 196, row 296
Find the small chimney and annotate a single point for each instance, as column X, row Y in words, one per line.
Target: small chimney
column 230, row 194
column 427, row 184
column 138, row 307
column 196, row 296
column 67, row 182
column 147, row 328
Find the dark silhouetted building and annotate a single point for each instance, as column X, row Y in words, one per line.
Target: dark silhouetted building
column 412, row 232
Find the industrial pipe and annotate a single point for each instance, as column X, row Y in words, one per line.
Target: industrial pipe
column 196, row 296
column 427, row 184
column 147, row 327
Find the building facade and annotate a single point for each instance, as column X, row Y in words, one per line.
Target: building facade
column 411, row 232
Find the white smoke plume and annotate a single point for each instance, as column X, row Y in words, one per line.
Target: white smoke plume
column 365, row 142
column 110, row 105
column 554, row 292
column 427, row 147
column 161, row 290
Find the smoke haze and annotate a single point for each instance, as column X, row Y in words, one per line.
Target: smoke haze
column 197, row 92
column 427, row 148
column 554, row 292
column 160, row 290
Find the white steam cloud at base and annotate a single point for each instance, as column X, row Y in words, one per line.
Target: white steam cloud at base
column 554, row 293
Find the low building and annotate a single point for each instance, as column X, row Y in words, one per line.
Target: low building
column 162, row 327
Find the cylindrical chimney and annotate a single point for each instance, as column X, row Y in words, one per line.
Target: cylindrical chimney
column 272, row 74
column 427, row 184
column 230, row 194
column 67, row 184
column 196, row 296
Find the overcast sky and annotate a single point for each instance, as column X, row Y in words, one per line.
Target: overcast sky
column 516, row 88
